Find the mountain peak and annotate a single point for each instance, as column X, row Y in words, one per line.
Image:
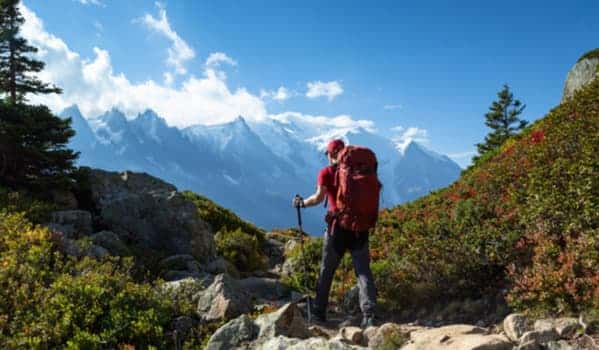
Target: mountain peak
column 149, row 116
column 72, row 112
column 414, row 148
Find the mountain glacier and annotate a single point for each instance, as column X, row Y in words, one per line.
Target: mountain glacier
column 252, row 168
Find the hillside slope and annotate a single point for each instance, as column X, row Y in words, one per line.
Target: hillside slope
column 524, row 220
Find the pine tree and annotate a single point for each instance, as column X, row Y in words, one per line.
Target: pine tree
column 503, row 119
column 16, row 64
column 33, row 152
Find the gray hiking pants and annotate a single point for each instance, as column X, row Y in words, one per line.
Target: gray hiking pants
column 334, row 248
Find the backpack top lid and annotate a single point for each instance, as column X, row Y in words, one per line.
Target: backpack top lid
column 358, row 158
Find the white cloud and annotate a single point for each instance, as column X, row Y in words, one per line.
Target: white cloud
column 216, row 58
column 96, row 87
column 308, row 121
column 404, row 136
column 91, row 2
column 281, row 94
column 179, row 52
column 392, row 107
column 329, row 89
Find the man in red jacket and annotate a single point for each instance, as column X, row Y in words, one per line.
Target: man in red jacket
column 337, row 243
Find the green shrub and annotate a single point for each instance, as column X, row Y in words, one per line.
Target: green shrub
column 48, row 299
column 240, row 249
column 221, row 218
column 590, row 54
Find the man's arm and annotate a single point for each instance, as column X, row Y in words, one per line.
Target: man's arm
column 316, row 198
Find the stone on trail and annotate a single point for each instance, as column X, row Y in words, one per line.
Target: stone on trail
column 233, row 334
column 457, row 337
column 540, row 337
column 514, row 325
column 353, row 335
column 287, row 321
column 284, row 343
column 223, row 299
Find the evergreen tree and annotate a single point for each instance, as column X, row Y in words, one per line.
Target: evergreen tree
column 33, row 152
column 503, row 119
column 16, row 64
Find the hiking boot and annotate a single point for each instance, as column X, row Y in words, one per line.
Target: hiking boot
column 367, row 321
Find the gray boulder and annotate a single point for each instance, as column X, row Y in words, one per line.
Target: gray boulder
column 147, row 211
column 233, row 334
column 223, row 299
column 285, row 343
column 514, row 325
column 72, row 224
column 287, row 321
column 583, row 72
column 540, row 337
column 565, row 327
column 463, row 337
column 111, row 242
column 561, row 345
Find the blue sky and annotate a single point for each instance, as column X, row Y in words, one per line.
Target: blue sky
column 434, row 66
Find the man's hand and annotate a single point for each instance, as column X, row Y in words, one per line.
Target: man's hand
column 298, row 202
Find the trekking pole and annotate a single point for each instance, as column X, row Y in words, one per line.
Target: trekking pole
column 301, row 233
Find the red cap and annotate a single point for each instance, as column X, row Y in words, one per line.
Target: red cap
column 334, row 146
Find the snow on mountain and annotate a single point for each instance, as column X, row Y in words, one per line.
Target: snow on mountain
column 254, row 169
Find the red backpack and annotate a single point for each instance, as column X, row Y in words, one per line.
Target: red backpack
column 358, row 190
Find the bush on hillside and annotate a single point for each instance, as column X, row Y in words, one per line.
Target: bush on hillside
column 525, row 218
column 49, row 300
column 240, row 249
column 219, row 217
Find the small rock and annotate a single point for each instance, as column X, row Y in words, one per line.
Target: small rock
column 369, row 334
column 530, row 345
column 318, row 332
column 386, row 333
column 353, row 335
column 223, row 299
column 540, row 337
column 515, row 325
column 463, row 337
column 287, row 321
column 566, row 328
column 232, row 334
column 544, row 325
column 284, row 343
column 560, row 345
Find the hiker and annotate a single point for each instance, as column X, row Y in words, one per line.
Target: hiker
column 338, row 240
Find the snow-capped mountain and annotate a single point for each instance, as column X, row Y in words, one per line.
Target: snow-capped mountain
column 254, row 169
